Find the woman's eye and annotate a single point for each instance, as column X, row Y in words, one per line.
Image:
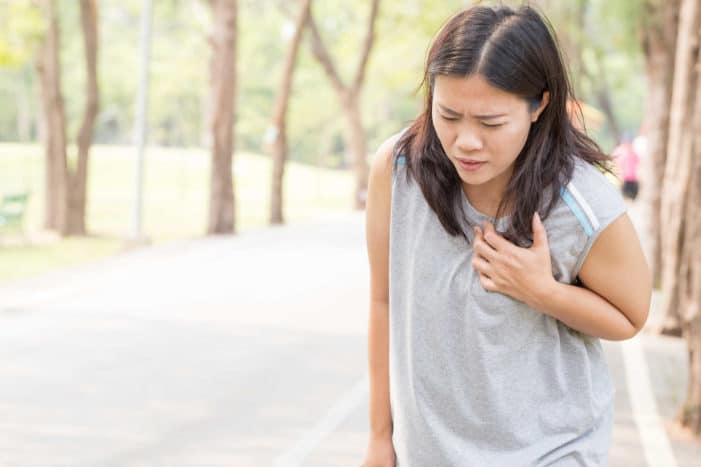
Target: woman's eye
column 449, row 118
column 492, row 125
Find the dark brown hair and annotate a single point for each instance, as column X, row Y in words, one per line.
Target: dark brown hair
column 515, row 51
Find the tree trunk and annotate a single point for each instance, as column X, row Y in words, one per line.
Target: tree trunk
column 690, row 414
column 689, row 273
column 355, row 135
column 279, row 120
column 680, row 154
column 223, row 86
column 349, row 96
column 659, row 41
column 690, row 283
column 49, row 71
column 77, row 181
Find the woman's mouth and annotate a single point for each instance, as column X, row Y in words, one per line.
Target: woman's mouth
column 470, row 165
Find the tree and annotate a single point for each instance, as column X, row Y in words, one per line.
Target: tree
column 66, row 188
column 602, row 91
column 77, row 180
column 49, row 70
column 658, row 37
column 681, row 204
column 578, row 30
column 349, row 97
column 222, row 95
column 279, row 120
column 21, row 30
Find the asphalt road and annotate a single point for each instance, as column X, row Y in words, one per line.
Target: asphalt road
column 241, row 352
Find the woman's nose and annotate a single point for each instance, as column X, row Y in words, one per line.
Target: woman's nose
column 468, row 141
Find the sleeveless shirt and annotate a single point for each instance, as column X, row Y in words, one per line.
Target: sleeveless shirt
column 478, row 378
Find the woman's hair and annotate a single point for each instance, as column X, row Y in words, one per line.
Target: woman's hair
column 515, row 51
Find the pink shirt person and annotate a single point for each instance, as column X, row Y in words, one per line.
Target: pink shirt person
column 628, row 161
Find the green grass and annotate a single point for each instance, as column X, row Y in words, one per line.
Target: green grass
column 175, row 200
column 20, row 261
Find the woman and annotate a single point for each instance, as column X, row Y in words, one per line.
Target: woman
column 499, row 256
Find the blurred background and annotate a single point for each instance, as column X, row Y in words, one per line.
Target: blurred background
column 183, row 276
column 599, row 37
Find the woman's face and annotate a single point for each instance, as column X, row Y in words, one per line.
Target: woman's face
column 478, row 122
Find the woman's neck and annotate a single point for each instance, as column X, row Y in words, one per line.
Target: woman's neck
column 485, row 199
column 487, row 196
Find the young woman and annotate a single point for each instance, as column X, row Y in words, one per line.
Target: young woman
column 499, row 255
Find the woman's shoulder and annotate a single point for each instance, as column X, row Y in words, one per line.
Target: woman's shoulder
column 386, row 156
column 386, row 151
column 381, row 166
column 592, row 177
column 593, row 197
column 587, row 205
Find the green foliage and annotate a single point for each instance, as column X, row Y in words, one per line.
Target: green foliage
column 180, row 66
column 21, row 29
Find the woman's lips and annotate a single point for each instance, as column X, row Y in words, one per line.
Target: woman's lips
column 470, row 165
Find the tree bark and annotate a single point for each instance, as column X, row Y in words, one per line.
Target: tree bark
column 355, row 135
column 690, row 283
column 77, row 180
column 690, row 259
column 223, row 86
column 349, row 97
column 681, row 205
column 680, row 155
column 659, row 36
column 690, row 413
column 279, row 120
column 49, row 71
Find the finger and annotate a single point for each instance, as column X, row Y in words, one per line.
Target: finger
column 480, row 246
column 482, row 266
column 488, row 284
column 484, row 250
column 540, row 235
column 494, row 238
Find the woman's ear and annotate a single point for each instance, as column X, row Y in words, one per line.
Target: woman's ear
column 543, row 103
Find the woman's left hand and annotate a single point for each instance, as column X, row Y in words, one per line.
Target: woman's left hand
column 521, row 273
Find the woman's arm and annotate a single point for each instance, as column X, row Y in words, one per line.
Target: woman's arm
column 377, row 236
column 615, row 302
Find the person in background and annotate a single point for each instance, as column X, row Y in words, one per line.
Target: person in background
column 628, row 160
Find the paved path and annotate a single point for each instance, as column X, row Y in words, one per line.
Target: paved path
column 237, row 352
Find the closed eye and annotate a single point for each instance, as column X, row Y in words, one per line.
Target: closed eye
column 450, row 119
column 493, row 125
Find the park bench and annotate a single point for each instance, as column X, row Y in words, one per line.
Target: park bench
column 12, row 209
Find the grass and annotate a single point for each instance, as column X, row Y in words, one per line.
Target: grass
column 175, row 200
column 20, row 261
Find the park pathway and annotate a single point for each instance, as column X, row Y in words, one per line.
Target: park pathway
column 237, row 352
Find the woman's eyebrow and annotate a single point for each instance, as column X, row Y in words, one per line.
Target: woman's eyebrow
column 449, row 111
column 481, row 117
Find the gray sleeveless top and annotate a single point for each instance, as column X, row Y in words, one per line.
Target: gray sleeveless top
column 478, row 378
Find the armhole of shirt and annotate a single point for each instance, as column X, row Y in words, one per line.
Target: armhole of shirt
column 396, row 166
column 398, row 159
column 592, row 221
